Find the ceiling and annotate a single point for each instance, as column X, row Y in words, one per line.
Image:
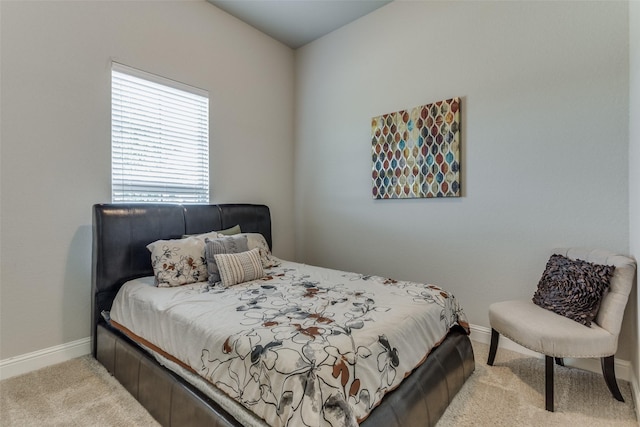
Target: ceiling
column 298, row 22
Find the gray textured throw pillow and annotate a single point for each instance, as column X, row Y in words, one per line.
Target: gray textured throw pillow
column 573, row 288
column 222, row 245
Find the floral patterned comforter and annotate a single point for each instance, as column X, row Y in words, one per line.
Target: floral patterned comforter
column 303, row 346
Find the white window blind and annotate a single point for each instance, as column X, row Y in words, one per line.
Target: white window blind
column 159, row 139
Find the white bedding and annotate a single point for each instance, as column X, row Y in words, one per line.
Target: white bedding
column 304, row 346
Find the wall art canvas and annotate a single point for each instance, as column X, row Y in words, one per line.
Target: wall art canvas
column 416, row 152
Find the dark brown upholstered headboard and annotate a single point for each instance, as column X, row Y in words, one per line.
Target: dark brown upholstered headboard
column 121, row 233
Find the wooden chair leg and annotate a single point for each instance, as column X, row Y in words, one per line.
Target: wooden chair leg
column 548, row 369
column 495, row 336
column 608, row 370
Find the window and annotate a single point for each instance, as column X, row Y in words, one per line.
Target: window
column 159, row 139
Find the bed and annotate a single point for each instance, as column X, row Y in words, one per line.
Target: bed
column 172, row 394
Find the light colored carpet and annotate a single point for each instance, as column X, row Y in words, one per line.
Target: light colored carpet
column 79, row 393
column 511, row 393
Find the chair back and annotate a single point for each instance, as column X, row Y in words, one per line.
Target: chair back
column 614, row 301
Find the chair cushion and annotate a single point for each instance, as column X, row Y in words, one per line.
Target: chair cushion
column 573, row 288
column 549, row 333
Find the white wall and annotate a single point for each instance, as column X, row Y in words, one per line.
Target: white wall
column 544, row 89
column 55, row 125
column 634, row 167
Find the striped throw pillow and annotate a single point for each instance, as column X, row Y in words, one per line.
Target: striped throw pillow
column 239, row 267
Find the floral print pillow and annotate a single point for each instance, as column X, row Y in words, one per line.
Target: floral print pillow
column 257, row 240
column 178, row 262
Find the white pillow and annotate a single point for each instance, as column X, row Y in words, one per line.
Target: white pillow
column 257, row 240
column 239, row 267
column 178, row 262
column 204, row 236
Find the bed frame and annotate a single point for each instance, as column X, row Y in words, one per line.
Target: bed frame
column 120, row 235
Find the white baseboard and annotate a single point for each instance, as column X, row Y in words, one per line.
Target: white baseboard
column 42, row 358
column 635, row 389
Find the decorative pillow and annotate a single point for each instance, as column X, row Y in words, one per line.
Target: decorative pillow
column 240, row 267
column 257, row 240
column 231, row 230
column 573, row 288
column 178, row 262
column 213, row 234
column 222, row 245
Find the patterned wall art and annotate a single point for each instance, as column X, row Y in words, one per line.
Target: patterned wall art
column 416, row 152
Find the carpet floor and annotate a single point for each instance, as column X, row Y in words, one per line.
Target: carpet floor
column 511, row 393
column 80, row 392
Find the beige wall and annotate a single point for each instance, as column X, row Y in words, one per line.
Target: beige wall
column 543, row 85
column 545, row 91
column 55, row 85
column 634, row 167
